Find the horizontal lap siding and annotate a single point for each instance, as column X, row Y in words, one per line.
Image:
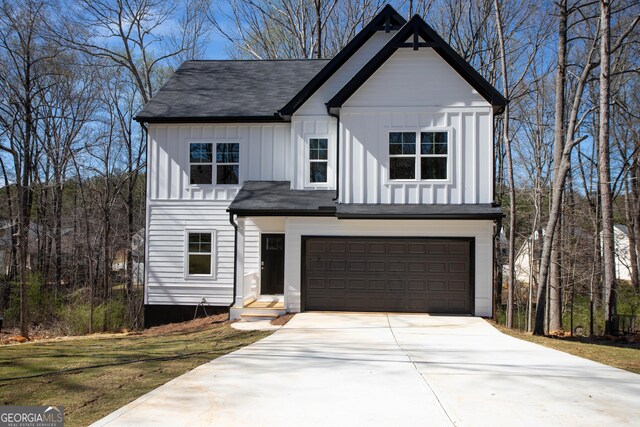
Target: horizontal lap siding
column 166, row 282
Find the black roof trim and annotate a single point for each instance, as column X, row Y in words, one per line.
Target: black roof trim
column 388, row 18
column 417, row 26
column 323, row 213
column 220, row 119
column 413, row 211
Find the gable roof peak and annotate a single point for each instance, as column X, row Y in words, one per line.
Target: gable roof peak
column 418, row 28
column 387, row 19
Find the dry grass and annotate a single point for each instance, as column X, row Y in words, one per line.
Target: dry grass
column 616, row 353
column 105, row 372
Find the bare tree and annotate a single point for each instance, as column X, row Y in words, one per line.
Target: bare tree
column 27, row 56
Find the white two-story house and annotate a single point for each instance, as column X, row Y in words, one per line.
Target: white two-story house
column 361, row 183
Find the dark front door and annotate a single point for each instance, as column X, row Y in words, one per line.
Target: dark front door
column 425, row 275
column 272, row 278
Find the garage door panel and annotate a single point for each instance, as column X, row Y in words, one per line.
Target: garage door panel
column 388, row 274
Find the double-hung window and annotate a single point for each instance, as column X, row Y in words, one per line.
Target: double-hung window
column 200, row 253
column 427, row 160
column 318, row 160
column 227, row 163
column 202, row 163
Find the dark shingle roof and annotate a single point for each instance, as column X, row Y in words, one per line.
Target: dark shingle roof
column 277, row 198
column 206, row 90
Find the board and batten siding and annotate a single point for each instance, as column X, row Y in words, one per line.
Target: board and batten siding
column 302, row 129
column 480, row 230
column 265, row 155
column 436, row 98
column 365, row 154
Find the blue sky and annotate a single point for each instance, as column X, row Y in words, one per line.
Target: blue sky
column 218, row 45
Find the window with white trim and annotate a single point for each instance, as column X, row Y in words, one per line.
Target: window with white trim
column 202, row 162
column 199, row 253
column 318, row 160
column 227, row 162
column 429, row 161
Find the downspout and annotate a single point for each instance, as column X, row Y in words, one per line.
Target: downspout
column 145, row 132
column 235, row 259
column 337, row 117
column 496, row 266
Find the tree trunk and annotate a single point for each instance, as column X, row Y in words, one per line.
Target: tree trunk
column 555, row 306
column 512, row 191
column 604, row 171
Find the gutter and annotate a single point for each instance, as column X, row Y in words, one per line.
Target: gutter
column 337, row 117
column 496, row 246
column 235, row 258
column 147, row 219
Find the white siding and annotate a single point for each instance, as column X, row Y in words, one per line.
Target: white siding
column 482, row 231
column 416, row 78
column 265, row 154
column 315, row 105
column 303, row 128
column 166, row 283
column 364, row 143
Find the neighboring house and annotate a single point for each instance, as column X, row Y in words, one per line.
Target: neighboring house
column 622, row 251
column 622, row 256
column 37, row 232
column 119, row 264
column 361, row 183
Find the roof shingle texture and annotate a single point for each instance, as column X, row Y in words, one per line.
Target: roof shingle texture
column 210, row 89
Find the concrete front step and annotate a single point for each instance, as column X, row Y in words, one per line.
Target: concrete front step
column 248, row 314
column 250, row 317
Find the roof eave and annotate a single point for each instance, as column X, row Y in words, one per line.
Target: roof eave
column 421, row 216
column 276, row 118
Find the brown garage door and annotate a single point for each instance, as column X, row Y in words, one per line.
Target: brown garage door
column 388, row 274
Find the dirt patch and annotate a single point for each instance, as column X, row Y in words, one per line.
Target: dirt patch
column 189, row 326
column 282, row 320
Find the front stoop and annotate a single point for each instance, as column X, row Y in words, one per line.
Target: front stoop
column 264, row 308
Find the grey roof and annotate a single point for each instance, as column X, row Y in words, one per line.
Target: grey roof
column 277, row 198
column 209, row 90
column 622, row 228
column 271, row 198
column 415, row 211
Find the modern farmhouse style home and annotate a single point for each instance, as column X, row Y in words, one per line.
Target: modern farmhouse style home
column 360, row 183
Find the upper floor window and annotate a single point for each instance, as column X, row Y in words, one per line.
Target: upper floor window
column 201, row 163
column 227, row 163
column 426, row 162
column 318, row 160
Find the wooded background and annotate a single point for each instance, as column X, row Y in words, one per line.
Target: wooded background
column 73, row 74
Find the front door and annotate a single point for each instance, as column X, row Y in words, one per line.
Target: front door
column 272, row 257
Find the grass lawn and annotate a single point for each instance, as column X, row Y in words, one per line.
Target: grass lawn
column 613, row 353
column 88, row 393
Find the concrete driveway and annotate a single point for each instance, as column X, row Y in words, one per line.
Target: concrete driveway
column 352, row 369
